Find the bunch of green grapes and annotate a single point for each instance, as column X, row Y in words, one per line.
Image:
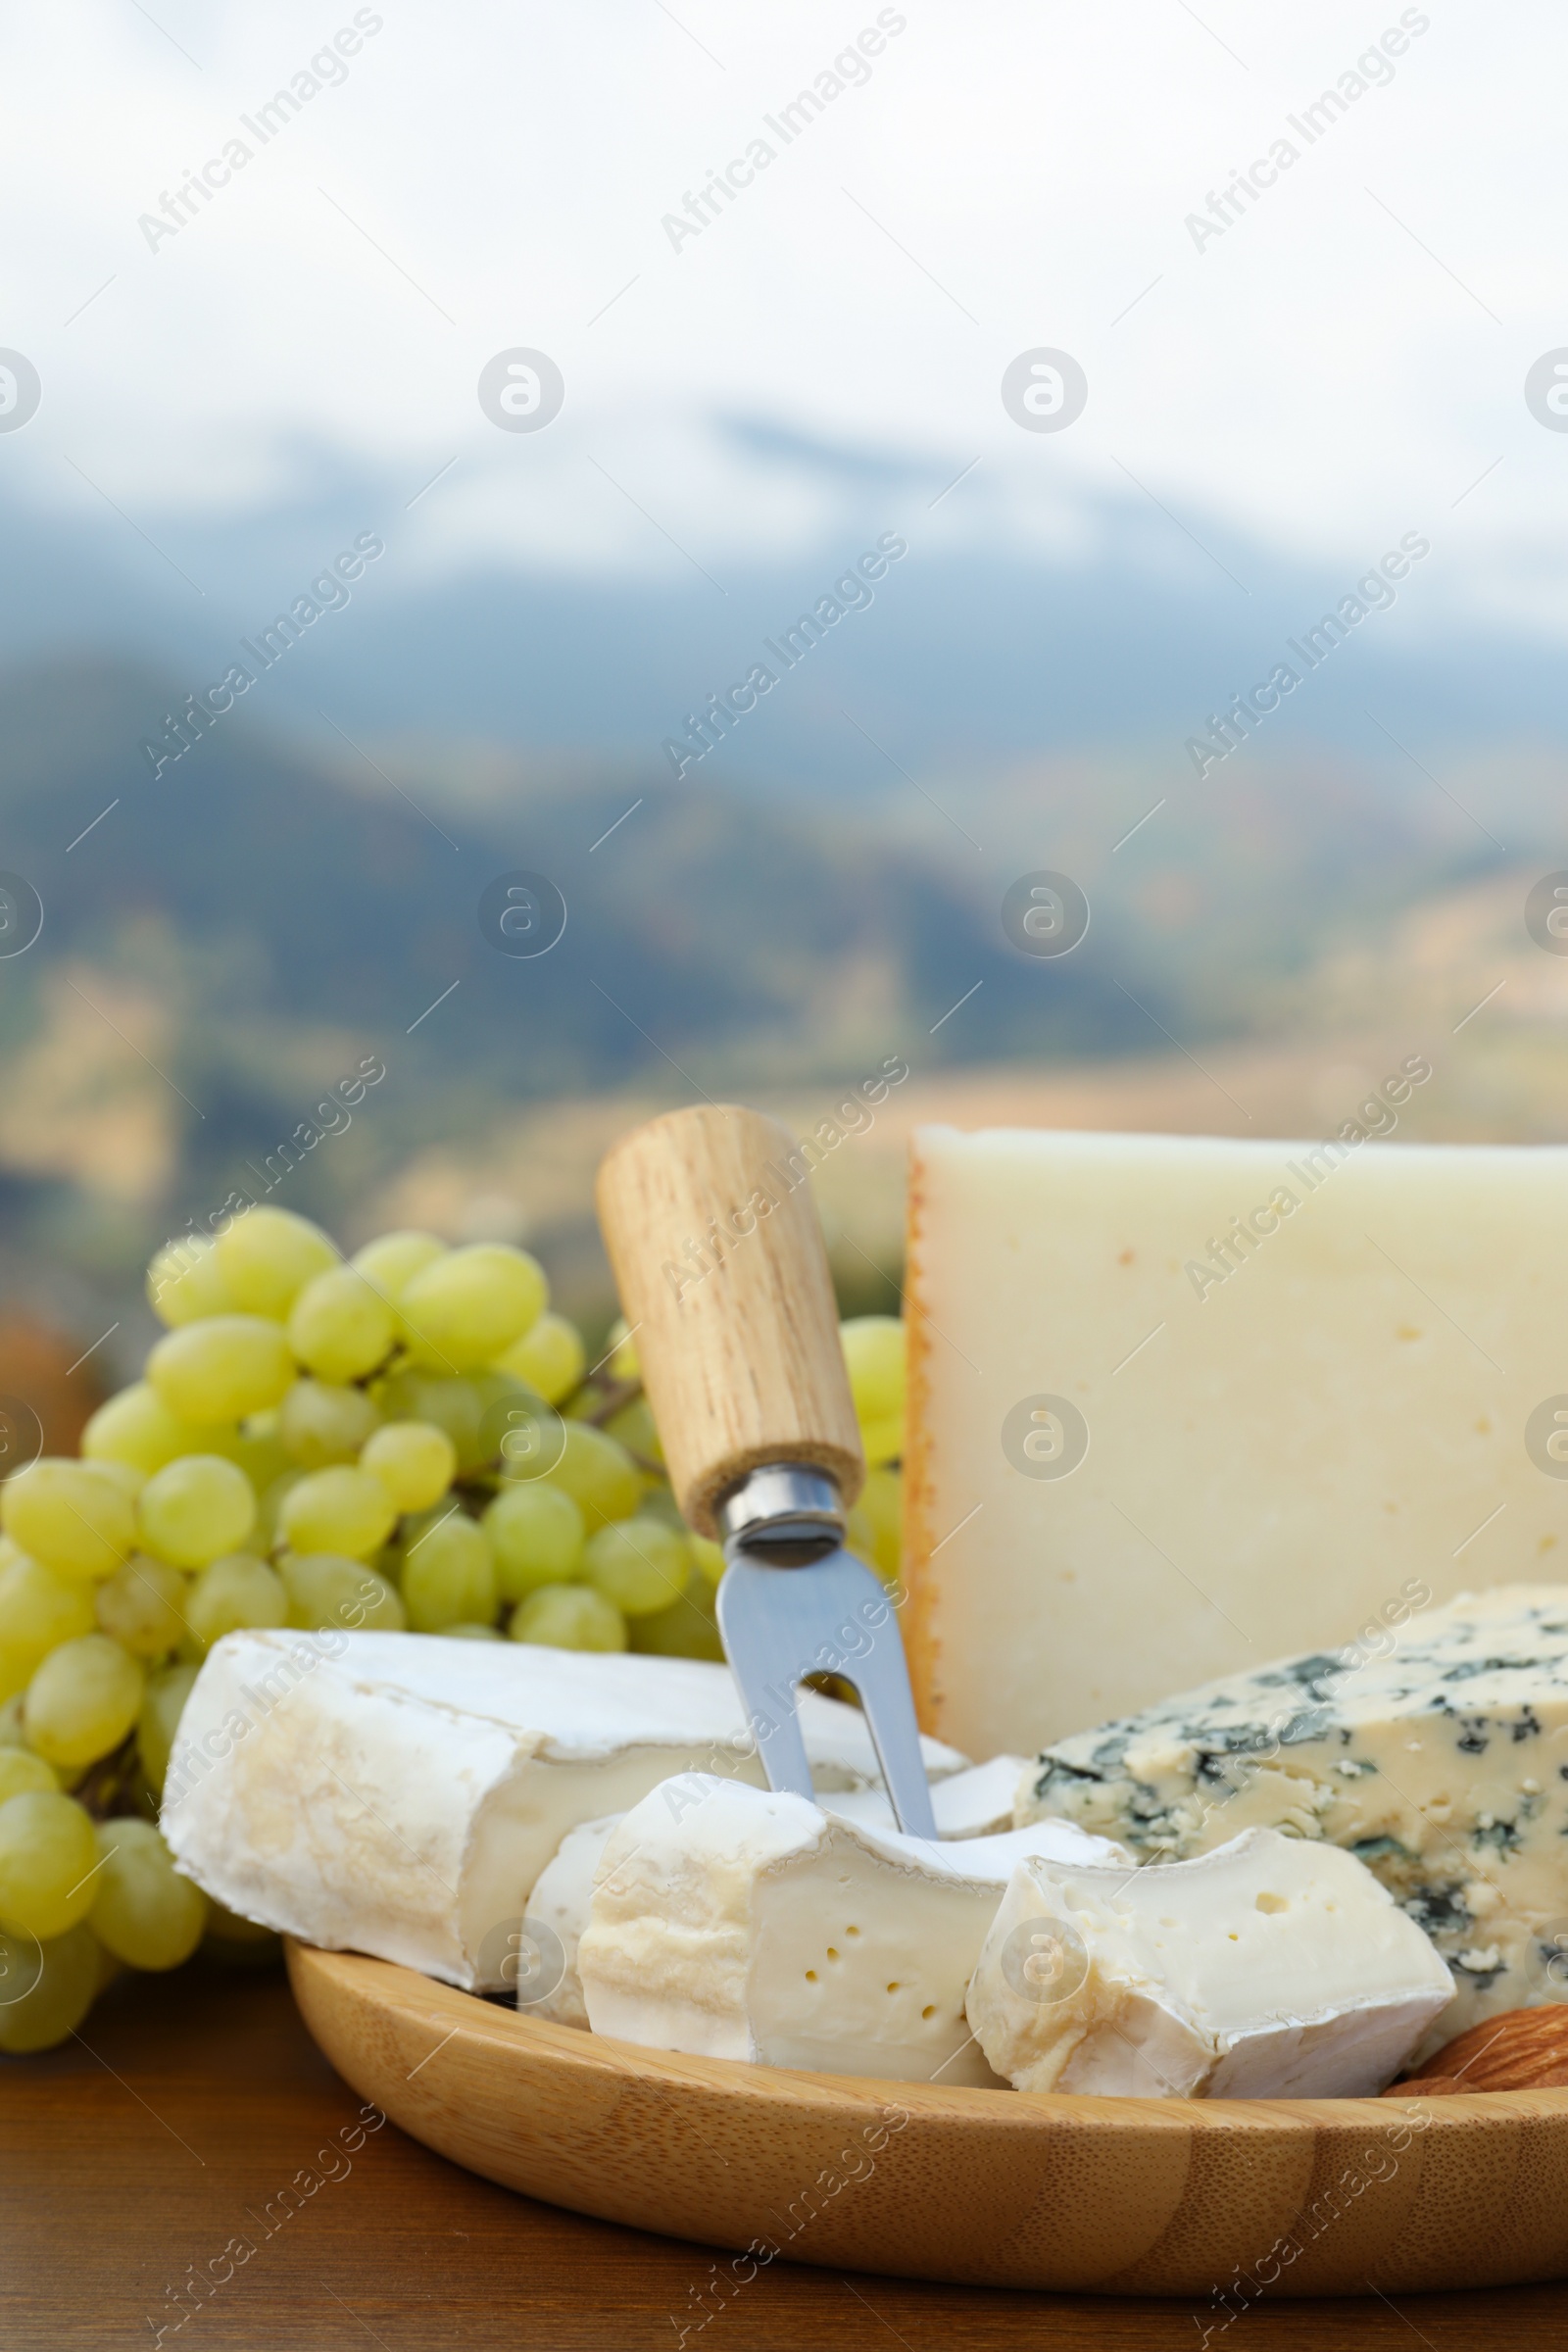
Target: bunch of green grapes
column 407, row 1439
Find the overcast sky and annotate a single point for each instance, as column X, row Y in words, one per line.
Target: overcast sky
column 1340, row 363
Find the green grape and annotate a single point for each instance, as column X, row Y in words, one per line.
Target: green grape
column 639, row 1564
column 875, row 1529
column 321, row 1423
column 536, row 1533
column 82, row 1700
column 873, row 1351
column 340, row 1325
column 449, row 1576
column 327, row 1592
column 568, row 1617
column 466, row 1308
column 598, row 1475
column 453, row 1404
column 257, row 1447
column 185, row 1282
column 549, row 1359
column 20, row 1772
column 232, row 1593
column 143, row 1606
column 222, row 1369
column 159, row 1720
column 143, row 1911
column 341, row 1510
column 271, row 1508
column 75, row 1517
column 633, row 1427
column 47, row 1858
column 39, row 1610
column 135, row 1427
column 622, row 1357
column 392, row 1261
column 195, row 1509
column 413, row 1460
column 687, row 1629
column 710, row 1557
column 55, row 1986
column 473, row 1633
column 267, row 1255
column 882, row 1441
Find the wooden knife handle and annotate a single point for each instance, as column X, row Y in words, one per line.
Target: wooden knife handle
column 708, row 1217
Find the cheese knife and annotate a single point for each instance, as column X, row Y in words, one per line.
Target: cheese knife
column 719, row 1257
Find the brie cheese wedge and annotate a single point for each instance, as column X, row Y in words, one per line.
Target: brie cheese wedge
column 400, row 1794
column 733, row 1922
column 1270, row 1967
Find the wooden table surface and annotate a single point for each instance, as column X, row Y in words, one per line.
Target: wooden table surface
column 172, row 2127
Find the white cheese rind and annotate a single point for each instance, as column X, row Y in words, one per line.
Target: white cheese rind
column 980, row 1801
column 400, row 1794
column 1443, row 1765
column 1270, row 1967
column 1267, row 1463
column 734, row 1923
column 560, row 1903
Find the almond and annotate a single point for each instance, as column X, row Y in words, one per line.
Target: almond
column 1524, row 2049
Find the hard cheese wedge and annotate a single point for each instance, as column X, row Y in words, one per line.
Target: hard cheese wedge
column 1443, row 1765
column 734, row 1923
column 1295, row 1376
column 1269, row 1969
column 400, row 1794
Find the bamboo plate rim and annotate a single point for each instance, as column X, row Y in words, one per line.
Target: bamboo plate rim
column 396, row 1990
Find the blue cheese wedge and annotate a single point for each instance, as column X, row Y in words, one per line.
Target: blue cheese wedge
column 733, row 1922
column 1272, row 1968
column 400, row 1794
column 1443, row 1765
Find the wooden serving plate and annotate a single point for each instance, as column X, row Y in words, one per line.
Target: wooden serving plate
column 1206, row 2199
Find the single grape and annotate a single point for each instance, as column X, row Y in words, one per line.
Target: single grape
column 45, row 1989
column 159, row 1720
column 877, row 1520
column 267, row 1255
column 449, row 1576
column 231, row 1594
column 687, row 1629
column 473, row 1633
column 143, row 1606
column 709, row 1556
column 82, row 1700
column 413, row 1460
column 195, row 1509
column 340, row 1325
column 450, row 1404
column 75, row 1517
column 222, row 1369
column 467, row 1306
column 143, row 1911
column 135, row 1427
column 598, row 1475
column 392, row 1261
column 185, row 1282
column 639, row 1564
column 873, row 1351
column 321, row 1423
column 20, row 1772
column 549, row 1359
column 47, row 1858
column 327, row 1592
column 341, row 1510
column 568, row 1617
column 536, row 1533
column 39, row 1610
column 882, row 1441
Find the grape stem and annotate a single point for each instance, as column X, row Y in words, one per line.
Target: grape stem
column 106, row 1789
column 617, row 1395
